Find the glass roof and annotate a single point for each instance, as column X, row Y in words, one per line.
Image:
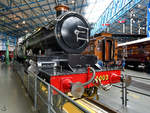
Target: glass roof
column 95, row 9
column 20, row 17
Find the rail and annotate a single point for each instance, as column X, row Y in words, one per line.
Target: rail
column 41, row 92
column 50, row 103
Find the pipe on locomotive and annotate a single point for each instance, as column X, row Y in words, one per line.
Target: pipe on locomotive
column 92, row 78
column 77, row 89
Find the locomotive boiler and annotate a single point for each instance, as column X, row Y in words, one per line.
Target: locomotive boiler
column 53, row 53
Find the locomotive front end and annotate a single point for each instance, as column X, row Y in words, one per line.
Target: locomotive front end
column 71, row 30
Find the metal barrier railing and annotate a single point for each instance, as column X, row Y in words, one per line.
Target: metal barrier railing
column 125, row 90
column 139, row 77
column 42, row 95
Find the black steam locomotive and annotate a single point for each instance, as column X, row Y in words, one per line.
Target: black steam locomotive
column 53, row 53
column 56, row 47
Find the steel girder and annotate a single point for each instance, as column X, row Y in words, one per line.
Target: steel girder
column 19, row 5
column 116, row 9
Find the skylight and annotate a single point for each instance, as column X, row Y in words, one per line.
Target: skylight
column 95, row 9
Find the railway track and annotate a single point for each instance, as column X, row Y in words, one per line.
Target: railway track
column 90, row 105
column 140, row 85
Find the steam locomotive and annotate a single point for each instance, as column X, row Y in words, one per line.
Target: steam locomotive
column 55, row 49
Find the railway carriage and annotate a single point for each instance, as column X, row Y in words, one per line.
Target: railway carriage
column 104, row 47
column 137, row 52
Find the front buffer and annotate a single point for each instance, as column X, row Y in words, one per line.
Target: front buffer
column 65, row 83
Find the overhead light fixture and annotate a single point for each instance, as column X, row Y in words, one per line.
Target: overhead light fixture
column 45, row 19
column 133, row 21
column 142, row 28
column 72, row 1
column 3, row 18
column 139, row 6
column 17, row 26
column 131, row 11
column 24, row 22
column 139, row 21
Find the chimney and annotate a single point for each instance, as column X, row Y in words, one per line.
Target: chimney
column 61, row 9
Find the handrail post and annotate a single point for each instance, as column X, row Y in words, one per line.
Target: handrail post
column 124, row 92
column 49, row 99
column 28, row 82
column 126, row 95
column 35, row 94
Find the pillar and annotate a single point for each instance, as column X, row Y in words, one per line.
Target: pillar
column 7, row 50
column 124, row 28
column 148, row 20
